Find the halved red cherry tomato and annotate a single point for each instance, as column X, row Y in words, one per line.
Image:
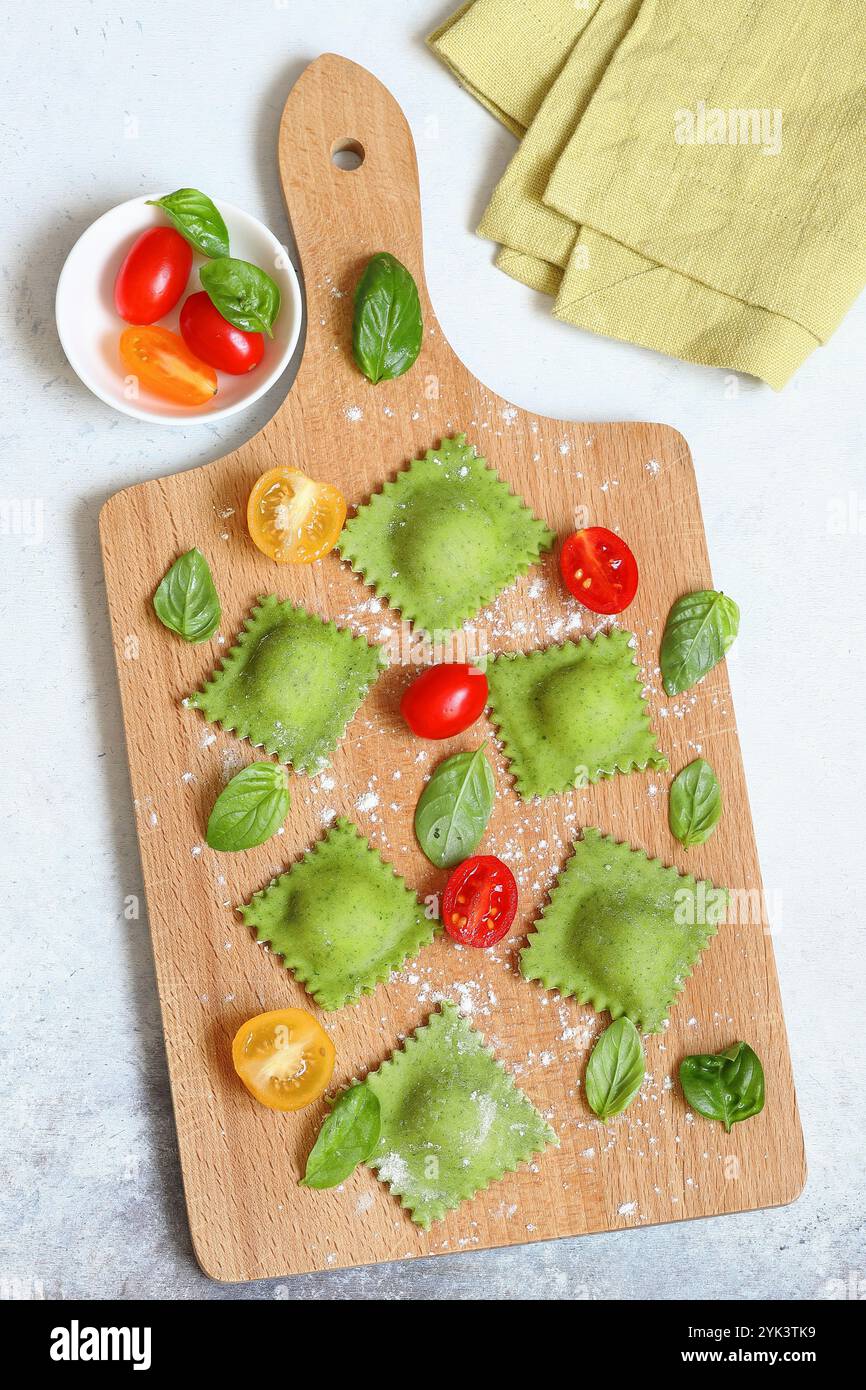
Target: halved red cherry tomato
column 444, row 700
column 153, row 276
column 163, row 363
column 284, row 1058
column 215, row 340
column 599, row 569
column 479, row 901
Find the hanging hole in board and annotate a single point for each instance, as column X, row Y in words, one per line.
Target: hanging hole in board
column 347, row 154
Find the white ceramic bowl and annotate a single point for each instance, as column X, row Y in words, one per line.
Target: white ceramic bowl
column 90, row 328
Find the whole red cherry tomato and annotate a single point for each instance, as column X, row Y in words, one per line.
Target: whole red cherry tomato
column 215, row 340
column 153, row 276
column 444, row 700
column 479, row 901
column 599, row 569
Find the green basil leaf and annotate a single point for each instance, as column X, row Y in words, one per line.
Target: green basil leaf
column 387, row 327
column 694, row 804
column 454, row 808
column 727, row 1086
column 700, row 629
column 615, row 1070
column 242, row 293
column 187, row 601
column 347, row 1138
column 197, row 219
column 250, row 809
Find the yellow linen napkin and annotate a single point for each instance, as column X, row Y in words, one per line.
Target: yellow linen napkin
column 507, row 53
column 744, row 253
column 517, row 215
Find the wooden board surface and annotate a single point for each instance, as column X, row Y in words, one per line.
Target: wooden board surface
column 240, row 1162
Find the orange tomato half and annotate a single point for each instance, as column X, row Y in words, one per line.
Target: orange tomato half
column 163, row 364
column 284, row 1058
column 293, row 519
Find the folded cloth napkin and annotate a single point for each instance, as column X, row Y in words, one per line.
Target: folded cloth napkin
column 509, row 54
column 690, row 177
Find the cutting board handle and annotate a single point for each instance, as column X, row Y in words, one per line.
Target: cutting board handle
column 340, row 217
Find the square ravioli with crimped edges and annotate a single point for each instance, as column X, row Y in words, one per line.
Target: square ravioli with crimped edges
column 453, row 1120
column 572, row 714
column 444, row 538
column 290, row 684
column 621, row 931
column 342, row 919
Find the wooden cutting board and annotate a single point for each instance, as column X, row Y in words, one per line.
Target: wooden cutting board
column 241, row 1163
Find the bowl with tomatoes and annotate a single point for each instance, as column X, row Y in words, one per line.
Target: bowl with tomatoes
column 140, row 331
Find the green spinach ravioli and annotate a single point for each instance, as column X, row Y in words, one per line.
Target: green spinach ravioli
column 453, row 1120
column 621, row 931
column 572, row 714
column 444, row 538
column 342, row 919
column 290, row 684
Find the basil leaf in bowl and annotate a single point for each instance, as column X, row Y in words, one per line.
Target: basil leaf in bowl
column 250, row 809
column 454, row 808
column 387, row 328
column 243, row 293
column 694, row 803
column 615, row 1071
column 186, row 601
column 726, row 1086
column 197, row 218
column 700, row 629
column 348, row 1137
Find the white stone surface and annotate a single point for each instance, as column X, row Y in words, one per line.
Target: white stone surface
column 102, row 101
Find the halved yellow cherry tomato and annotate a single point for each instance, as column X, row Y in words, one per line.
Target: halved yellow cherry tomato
column 164, row 365
column 284, row 1058
column 293, row 519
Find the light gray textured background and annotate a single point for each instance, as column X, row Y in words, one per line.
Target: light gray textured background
column 102, row 101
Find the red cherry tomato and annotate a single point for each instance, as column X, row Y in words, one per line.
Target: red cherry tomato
column 153, row 276
column 480, row 901
column 444, row 700
column 599, row 569
column 215, row 340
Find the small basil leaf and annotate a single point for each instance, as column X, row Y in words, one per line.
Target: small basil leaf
column 615, row 1071
column 700, row 629
column 727, row 1086
column 242, row 293
column 454, row 808
column 347, row 1138
column 186, row 601
column 197, row 219
column 695, row 803
column 250, row 809
column 387, row 327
